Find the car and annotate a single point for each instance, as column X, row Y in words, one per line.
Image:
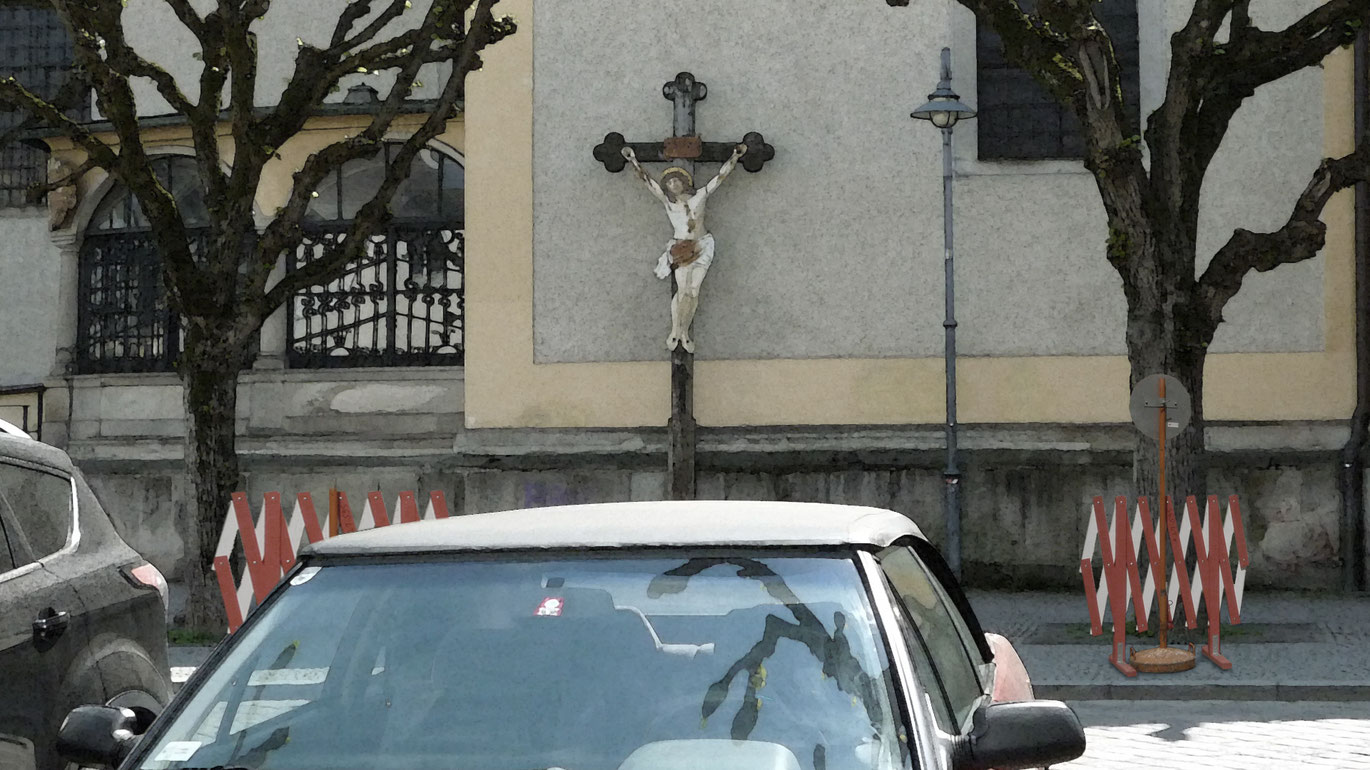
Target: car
column 624, row 636
column 82, row 615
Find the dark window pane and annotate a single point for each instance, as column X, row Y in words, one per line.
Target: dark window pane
column 40, row 503
column 1018, row 119
column 360, row 181
column 35, row 50
column 120, row 210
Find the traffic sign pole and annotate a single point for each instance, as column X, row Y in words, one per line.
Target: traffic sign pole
column 1165, row 513
column 1173, row 412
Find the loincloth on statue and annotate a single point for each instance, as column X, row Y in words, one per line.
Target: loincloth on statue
column 687, row 253
column 683, row 253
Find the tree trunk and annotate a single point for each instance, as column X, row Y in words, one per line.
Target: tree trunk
column 1172, row 349
column 211, row 399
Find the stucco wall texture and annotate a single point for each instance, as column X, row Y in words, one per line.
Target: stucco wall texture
column 835, row 249
column 30, row 269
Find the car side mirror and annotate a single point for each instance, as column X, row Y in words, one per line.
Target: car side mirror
column 97, row 736
column 1006, row 736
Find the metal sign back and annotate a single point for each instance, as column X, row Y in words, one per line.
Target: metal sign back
column 1146, row 401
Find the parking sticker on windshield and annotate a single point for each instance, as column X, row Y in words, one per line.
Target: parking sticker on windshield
column 177, row 751
column 551, row 607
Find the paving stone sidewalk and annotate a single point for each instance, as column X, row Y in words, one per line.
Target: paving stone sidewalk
column 1222, row 735
column 1288, row 647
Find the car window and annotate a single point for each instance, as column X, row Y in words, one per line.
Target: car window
column 940, row 627
column 583, row 664
column 40, row 504
column 8, row 557
column 923, row 669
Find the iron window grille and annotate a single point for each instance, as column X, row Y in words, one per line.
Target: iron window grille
column 403, row 302
column 125, row 323
column 36, row 51
column 1018, row 119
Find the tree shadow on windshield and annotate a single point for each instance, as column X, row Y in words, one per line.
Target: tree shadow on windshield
column 833, row 651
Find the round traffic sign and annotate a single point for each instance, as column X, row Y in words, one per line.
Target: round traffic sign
column 1146, row 404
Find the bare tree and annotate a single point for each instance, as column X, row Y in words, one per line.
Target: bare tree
column 222, row 289
column 1218, row 60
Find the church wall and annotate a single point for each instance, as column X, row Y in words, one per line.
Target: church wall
column 29, row 275
column 824, row 303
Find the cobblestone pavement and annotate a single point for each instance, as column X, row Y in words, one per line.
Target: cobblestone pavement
column 1223, row 735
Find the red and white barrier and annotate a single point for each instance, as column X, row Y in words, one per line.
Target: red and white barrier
column 1121, row 585
column 271, row 542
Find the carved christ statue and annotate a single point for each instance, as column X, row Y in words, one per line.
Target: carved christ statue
column 691, row 249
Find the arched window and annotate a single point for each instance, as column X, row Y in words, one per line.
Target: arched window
column 123, row 321
column 402, row 303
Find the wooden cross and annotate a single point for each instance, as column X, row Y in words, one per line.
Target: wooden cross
column 684, row 148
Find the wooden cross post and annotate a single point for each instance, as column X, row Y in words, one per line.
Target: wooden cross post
column 684, row 148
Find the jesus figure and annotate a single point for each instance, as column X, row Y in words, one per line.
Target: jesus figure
column 691, row 248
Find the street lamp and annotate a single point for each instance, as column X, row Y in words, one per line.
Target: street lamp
column 944, row 110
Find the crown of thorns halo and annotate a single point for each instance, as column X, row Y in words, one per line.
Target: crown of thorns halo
column 678, row 171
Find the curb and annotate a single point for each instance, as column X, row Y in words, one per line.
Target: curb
column 1177, row 692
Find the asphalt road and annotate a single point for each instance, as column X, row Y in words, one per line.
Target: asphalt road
column 1218, row 735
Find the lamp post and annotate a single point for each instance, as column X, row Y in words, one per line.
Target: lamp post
column 944, row 110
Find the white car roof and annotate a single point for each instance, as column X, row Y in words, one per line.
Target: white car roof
column 629, row 525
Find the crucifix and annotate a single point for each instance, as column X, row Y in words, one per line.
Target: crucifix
column 690, row 251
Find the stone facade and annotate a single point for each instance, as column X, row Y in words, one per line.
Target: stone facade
column 820, row 327
column 1026, row 490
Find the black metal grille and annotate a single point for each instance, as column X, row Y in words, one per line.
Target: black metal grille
column 125, row 324
column 1018, row 119
column 400, row 305
column 35, row 50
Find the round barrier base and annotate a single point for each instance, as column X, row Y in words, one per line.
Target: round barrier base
column 1162, row 660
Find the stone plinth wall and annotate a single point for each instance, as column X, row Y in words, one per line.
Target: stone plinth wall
column 1026, row 489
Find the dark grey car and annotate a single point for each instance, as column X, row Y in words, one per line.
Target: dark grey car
column 82, row 615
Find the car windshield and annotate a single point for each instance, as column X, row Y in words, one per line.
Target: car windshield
column 765, row 661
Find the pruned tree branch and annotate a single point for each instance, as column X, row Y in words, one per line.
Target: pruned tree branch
column 1261, row 57
column 18, row 97
column 187, row 15
column 1300, row 239
column 484, row 31
column 36, row 191
column 341, row 42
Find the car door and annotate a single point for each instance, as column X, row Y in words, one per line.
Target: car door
column 947, row 632
column 36, row 610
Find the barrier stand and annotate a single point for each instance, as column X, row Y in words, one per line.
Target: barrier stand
column 1121, row 545
column 270, row 543
column 1214, row 566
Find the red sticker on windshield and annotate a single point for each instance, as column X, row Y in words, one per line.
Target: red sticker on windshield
column 550, row 608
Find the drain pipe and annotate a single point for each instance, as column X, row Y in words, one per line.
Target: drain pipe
column 1352, row 476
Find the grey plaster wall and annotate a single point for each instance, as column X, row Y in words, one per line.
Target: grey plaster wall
column 835, row 249
column 30, row 267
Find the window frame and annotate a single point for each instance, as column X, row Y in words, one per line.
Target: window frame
column 1067, row 132
column 17, row 159
column 158, row 322
column 392, row 299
